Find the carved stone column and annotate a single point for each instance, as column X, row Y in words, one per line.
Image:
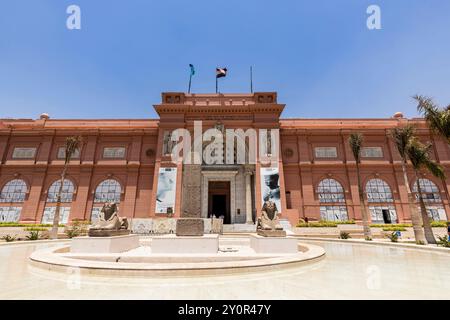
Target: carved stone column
column 190, row 223
column 191, row 192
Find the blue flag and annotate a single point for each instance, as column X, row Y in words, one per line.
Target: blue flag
column 192, row 69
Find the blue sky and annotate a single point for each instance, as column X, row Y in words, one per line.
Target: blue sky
column 318, row 55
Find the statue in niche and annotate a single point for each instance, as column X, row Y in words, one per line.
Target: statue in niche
column 167, row 143
column 269, row 142
column 109, row 224
column 220, row 126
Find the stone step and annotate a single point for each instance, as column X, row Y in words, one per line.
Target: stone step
column 239, row 227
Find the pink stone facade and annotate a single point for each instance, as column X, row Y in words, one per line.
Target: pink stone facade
column 129, row 152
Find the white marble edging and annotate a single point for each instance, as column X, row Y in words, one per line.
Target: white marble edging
column 49, row 259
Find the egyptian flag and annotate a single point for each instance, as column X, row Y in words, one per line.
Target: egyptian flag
column 221, row 72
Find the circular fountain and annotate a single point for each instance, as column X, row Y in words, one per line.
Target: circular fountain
column 110, row 249
column 234, row 254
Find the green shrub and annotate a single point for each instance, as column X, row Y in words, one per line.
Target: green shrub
column 344, row 235
column 26, row 225
column 368, row 238
column 434, row 224
column 316, row 225
column 9, row 238
column 439, row 224
column 394, row 229
column 35, row 229
column 398, row 225
column 34, row 235
column 338, row 222
column 76, row 228
column 443, row 241
column 420, row 243
column 392, row 236
column 346, row 222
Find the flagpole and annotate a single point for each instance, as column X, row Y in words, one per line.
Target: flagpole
column 216, row 84
column 191, row 73
column 190, row 80
column 251, row 79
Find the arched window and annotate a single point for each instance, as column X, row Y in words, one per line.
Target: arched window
column 432, row 198
column 14, row 191
column 430, row 191
column 378, row 191
column 67, row 191
column 108, row 190
column 379, row 195
column 331, row 193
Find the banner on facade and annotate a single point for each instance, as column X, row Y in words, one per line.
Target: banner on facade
column 270, row 186
column 165, row 196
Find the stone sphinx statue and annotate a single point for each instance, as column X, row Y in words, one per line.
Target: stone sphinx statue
column 109, row 224
column 268, row 224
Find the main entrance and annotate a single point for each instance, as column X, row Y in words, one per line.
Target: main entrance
column 219, row 200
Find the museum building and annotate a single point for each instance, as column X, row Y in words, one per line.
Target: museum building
column 129, row 161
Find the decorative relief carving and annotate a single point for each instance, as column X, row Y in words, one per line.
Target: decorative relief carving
column 173, row 98
column 191, row 191
column 266, row 97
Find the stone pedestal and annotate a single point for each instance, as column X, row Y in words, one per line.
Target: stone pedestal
column 271, row 233
column 104, row 244
column 286, row 224
column 190, row 227
column 107, row 233
column 206, row 244
column 267, row 245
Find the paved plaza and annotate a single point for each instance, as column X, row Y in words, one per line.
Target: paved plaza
column 348, row 271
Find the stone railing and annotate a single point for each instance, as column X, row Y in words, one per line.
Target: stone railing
column 155, row 226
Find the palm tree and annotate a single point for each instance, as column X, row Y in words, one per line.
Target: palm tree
column 355, row 141
column 72, row 144
column 418, row 154
column 402, row 136
column 438, row 119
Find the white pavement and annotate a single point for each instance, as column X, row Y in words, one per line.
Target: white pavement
column 349, row 271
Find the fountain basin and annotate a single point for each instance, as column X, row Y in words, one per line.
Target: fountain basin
column 237, row 257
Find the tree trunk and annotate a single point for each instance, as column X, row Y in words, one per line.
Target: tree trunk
column 365, row 220
column 423, row 210
column 54, row 232
column 415, row 217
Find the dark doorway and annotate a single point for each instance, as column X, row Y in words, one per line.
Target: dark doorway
column 219, row 205
column 219, row 200
column 386, row 216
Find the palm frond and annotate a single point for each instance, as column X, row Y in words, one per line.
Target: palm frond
column 419, row 155
column 355, row 141
column 435, row 169
column 72, row 144
column 438, row 119
column 425, row 104
column 401, row 137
